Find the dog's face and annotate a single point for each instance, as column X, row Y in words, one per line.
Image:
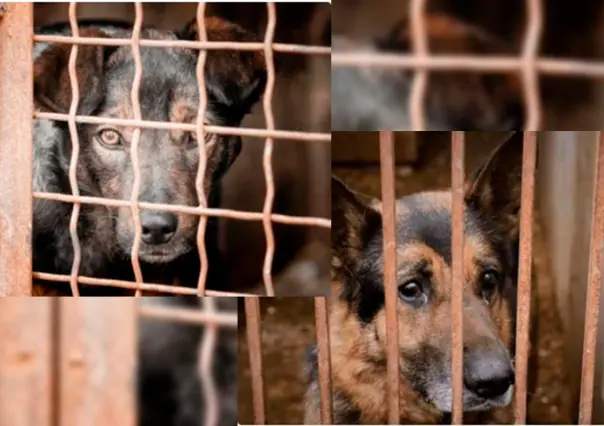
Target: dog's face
column 169, row 159
column 492, row 202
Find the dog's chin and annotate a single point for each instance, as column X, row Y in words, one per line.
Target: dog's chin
column 442, row 399
column 160, row 254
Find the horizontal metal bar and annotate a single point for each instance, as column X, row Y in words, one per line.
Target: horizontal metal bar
column 492, row 64
column 208, row 45
column 159, row 288
column 193, row 210
column 188, row 315
column 219, row 130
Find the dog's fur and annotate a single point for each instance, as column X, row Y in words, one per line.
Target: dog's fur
column 378, row 98
column 357, row 313
column 168, row 159
column 169, row 389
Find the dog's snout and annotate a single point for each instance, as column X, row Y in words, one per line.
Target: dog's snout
column 488, row 374
column 158, row 228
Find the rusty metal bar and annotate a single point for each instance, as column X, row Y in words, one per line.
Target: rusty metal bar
column 97, row 361
column 16, row 108
column 588, row 368
column 389, row 219
column 457, row 283
column 206, row 358
column 219, row 130
column 417, row 98
column 199, row 181
column 26, row 391
column 254, row 342
column 160, row 288
column 530, row 52
column 529, row 161
column 267, row 155
column 75, row 143
column 209, row 45
column 136, row 137
column 189, row 316
column 324, row 358
column 490, row 64
column 226, row 213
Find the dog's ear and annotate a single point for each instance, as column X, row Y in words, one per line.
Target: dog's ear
column 235, row 79
column 495, row 189
column 52, row 86
column 354, row 219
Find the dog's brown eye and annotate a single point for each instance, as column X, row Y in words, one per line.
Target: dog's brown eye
column 110, row 137
column 490, row 282
column 410, row 291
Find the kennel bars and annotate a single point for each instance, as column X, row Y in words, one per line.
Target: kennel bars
column 15, row 151
column 524, row 290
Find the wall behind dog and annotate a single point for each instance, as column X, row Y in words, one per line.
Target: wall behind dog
column 301, row 102
column 565, row 196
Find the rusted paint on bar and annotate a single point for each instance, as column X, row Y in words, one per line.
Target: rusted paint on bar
column 324, row 359
column 530, row 75
column 97, row 361
column 201, row 170
column 529, row 160
column 457, row 283
column 26, row 391
column 389, row 220
column 267, row 155
column 16, row 109
column 254, row 343
column 588, row 368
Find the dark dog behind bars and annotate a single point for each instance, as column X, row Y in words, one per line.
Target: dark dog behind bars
column 168, row 158
column 169, row 387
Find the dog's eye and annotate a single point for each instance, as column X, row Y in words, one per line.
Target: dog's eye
column 490, row 282
column 110, row 138
column 410, row 291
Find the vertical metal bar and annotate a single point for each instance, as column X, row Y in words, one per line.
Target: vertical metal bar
column 457, row 284
column 254, row 343
column 206, row 360
column 529, row 159
column 588, row 368
column 389, row 218
column 530, row 52
column 419, row 39
column 199, row 181
column 73, row 163
column 268, row 149
column 25, row 360
column 324, row 359
column 97, row 361
column 136, row 137
column 16, row 111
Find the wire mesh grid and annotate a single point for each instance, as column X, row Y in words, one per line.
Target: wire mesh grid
column 67, row 365
column 270, row 133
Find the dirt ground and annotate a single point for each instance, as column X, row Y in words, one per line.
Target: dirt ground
column 288, row 323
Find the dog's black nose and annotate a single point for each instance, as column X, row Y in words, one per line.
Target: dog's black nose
column 158, row 228
column 488, row 374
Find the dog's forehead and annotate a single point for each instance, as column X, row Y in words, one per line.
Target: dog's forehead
column 426, row 218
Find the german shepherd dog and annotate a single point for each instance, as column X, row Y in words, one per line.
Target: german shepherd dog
column 169, row 159
column 378, row 98
column 357, row 314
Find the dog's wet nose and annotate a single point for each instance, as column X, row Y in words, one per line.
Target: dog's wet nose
column 488, row 375
column 158, row 228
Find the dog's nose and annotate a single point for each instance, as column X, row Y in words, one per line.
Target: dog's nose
column 488, row 374
column 158, row 228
